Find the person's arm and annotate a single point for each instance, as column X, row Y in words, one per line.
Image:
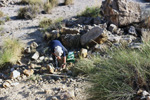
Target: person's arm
column 64, row 62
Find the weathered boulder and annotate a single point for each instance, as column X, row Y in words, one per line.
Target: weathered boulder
column 121, row 12
column 71, row 40
column 96, row 34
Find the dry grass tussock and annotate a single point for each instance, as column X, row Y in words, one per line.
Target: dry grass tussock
column 68, row 2
column 29, row 12
column 10, row 52
column 117, row 77
column 1, row 14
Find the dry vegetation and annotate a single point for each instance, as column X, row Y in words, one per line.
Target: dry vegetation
column 10, row 52
column 28, row 12
column 118, row 77
column 68, row 2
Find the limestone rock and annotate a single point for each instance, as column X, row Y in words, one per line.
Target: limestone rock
column 54, row 98
column 28, row 72
column 7, row 84
column 132, row 31
column 33, row 45
column 121, row 12
column 95, row 33
column 35, row 55
column 113, row 28
column 14, row 74
column 84, row 52
column 50, row 68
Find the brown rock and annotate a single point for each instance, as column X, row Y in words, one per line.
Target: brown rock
column 96, row 34
column 121, row 12
column 28, row 72
column 7, row 84
column 50, row 68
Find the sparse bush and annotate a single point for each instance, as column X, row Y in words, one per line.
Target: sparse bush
column 32, row 2
column 49, row 24
column 48, row 7
column 120, row 76
column 91, row 12
column 45, row 23
column 10, row 52
column 28, row 12
column 1, row 14
column 68, row 2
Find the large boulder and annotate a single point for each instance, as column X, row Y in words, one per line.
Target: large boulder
column 96, row 34
column 71, row 41
column 123, row 12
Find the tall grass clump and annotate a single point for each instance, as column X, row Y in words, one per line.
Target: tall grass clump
column 120, row 76
column 10, row 52
column 68, row 2
column 53, row 2
column 90, row 12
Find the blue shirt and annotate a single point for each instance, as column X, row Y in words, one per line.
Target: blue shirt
column 55, row 43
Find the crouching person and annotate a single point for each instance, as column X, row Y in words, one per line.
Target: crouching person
column 58, row 53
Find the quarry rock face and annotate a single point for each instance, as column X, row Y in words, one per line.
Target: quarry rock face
column 123, row 12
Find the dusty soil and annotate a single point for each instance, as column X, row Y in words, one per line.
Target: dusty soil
column 28, row 31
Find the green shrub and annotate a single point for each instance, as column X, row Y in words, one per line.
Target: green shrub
column 1, row 14
column 28, row 12
column 45, row 23
column 10, row 52
column 68, row 2
column 120, row 76
column 32, row 2
column 91, row 12
column 34, row 77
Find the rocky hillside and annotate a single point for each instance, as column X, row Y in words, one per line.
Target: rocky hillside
column 88, row 28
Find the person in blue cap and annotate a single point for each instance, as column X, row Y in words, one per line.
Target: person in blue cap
column 59, row 52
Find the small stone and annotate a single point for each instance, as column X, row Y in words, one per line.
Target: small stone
column 84, row 52
column 7, row 84
column 139, row 92
column 54, row 98
column 14, row 84
column 50, row 68
column 35, row 56
column 132, row 31
column 34, row 45
column 14, row 74
column 113, row 28
column 145, row 93
column 28, row 72
column 47, row 91
column 41, row 58
column 28, row 50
